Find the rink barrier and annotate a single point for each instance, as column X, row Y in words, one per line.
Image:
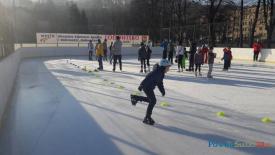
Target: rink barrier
column 9, row 65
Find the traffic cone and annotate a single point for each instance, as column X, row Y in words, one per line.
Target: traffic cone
column 164, row 104
column 266, row 120
column 220, row 114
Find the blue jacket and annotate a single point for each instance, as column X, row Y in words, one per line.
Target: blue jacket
column 164, row 45
column 153, row 79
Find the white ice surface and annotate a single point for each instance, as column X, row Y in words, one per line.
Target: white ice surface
column 58, row 109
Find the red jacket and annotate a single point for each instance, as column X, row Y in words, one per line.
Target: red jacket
column 257, row 47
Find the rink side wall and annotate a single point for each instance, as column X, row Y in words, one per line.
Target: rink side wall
column 9, row 65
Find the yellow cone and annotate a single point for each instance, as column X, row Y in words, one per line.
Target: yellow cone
column 121, row 87
column 266, row 120
column 164, row 104
column 220, row 114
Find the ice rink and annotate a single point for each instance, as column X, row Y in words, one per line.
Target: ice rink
column 60, row 109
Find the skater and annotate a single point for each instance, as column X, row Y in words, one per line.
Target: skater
column 257, row 50
column 105, row 49
column 99, row 54
column 165, row 46
column 153, row 79
column 193, row 48
column 148, row 55
column 180, row 55
column 171, row 52
column 211, row 58
column 205, row 53
column 198, row 61
column 227, row 58
column 117, row 53
column 91, row 49
column 142, row 55
column 111, row 53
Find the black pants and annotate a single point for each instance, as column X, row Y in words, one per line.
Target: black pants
column 164, row 54
column 117, row 57
column 180, row 65
column 148, row 62
column 198, row 67
column 170, row 58
column 143, row 64
column 227, row 64
column 150, row 98
column 191, row 62
column 256, row 55
column 90, row 55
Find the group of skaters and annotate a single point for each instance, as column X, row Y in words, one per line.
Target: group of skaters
column 101, row 53
column 197, row 56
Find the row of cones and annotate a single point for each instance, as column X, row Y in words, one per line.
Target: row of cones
column 166, row 104
column 264, row 119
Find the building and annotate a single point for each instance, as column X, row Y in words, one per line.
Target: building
column 249, row 15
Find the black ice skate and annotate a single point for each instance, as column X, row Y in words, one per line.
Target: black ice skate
column 134, row 100
column 148, row 121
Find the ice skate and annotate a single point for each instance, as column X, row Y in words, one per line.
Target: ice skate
column 134, row 100
column 148, row 121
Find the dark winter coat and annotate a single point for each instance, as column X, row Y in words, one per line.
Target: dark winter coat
column 142, row 54
column 198, row 58
column 193, row 48
column 211, row 57
column 153, row 79
column 148, row 52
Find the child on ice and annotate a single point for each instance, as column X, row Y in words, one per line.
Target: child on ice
column 198, row 61
column 211, row 58
column 142, row 56
column 153, row 79
column 227, row 58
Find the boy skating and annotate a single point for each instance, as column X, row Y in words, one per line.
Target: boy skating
column 153, row 79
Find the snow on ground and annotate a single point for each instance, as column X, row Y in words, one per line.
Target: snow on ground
column 59, row 109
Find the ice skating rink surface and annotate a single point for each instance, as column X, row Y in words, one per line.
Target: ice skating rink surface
column 60, row 109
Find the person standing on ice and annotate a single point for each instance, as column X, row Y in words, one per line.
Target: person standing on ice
column 117, row 53
column 257, row 50
column 148, row 54
column 111, row 53
column 198, row 61
column 91, row 49
column 193, row 49
column 153, row 79
column 142, row 56
column 211, row 58
column 205, row 53
column 180, row 55
column 99, row 54
column 171, row 52
column 227, row 58
column 164, row 45
column 105, row 49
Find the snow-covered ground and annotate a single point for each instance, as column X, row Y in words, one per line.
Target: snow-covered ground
column 59, row 109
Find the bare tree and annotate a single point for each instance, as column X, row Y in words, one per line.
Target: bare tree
column 241, row 24
column 268, row 6
column 254, row 23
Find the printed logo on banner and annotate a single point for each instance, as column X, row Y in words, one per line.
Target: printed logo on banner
column 62, row 38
